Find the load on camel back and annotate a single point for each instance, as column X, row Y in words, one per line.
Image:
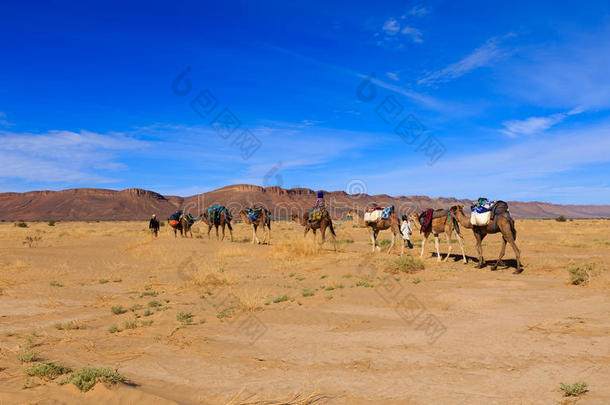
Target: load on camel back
column 218, row 216
column 485, row 211
column 377, row 219
column 182, row 222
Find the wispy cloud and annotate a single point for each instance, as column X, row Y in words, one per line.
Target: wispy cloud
column 392, row 76
column 62, row 156
column 518, row 171
column 391, row 26
column 394, row 31
column 414, row 33
column 418, row 11
column 484, row 55
column 535, row 125
column 3, row 121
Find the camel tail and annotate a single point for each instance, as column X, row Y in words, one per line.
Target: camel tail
column 513, row 229
column 332, row 230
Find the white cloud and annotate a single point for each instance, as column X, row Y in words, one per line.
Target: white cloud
column 414, row 33
column 62, row 156
column 392, row 76
column 391, row 26
column 419, row 11
column 517, row 171
column 485, row 55
column 535, row 125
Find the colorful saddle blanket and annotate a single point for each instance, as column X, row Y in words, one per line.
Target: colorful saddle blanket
column 387, row 211
column 482, row 205
column 425, row 219
column 317, row 215
column 188, row 217
column 254, row 213
column 214, row 211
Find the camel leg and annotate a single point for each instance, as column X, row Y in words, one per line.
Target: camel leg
column 209, row 230
column 423, row 245
column 268, row 235
column 223, row 232
column 502, row 250
column 517, row 255
column 393, row 241
column 231, row 233
column 305, row 232
column 217, row 237
column 479, row 239
column 373, row 239
column 438, row 253
column 254, row 237
column 459, row 238
column 449, row 246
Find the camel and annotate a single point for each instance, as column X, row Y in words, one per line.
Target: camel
column 501, row 223
column 445, row 224
column 183, row 226
column 264, row 220
column 392, row 223
column 322, row 224
column 222, row 219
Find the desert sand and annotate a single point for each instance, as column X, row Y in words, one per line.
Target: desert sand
column 236, row 323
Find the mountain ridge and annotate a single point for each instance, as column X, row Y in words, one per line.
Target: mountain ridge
column 138, row 204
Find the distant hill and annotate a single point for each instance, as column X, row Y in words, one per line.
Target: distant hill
column 92, row 204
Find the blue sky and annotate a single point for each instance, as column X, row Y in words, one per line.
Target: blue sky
column 507, row 100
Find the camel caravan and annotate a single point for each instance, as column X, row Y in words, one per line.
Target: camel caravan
column 487, row 217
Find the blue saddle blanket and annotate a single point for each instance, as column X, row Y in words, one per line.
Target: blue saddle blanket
column 387, row 211
column 482, row 207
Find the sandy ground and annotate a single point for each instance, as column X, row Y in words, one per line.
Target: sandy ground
column 450, row 333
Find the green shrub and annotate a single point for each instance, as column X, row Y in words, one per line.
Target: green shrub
column 118, row 310
column 114, row 329
column 86, row 378
column 27, row 356
column 308, row 293
column 47, row 371
column 405, row 264
column 185, row 317
column 21, row 224
column 574, row 390
column 580, row 275
column 283, row 298
column 52, row 223
column 561, row 218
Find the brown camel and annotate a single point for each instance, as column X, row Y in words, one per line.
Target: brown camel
column 392, row 223
column 322, row 224
column 183, row 226
column 501, row 223
column 447, row 224
column 222, row 219
column 264, row 220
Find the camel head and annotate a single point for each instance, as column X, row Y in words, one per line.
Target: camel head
column 353, row 214
column 295, row 218
column 413, row 217
column 456, row 208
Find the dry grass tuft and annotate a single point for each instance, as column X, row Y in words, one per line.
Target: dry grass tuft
column 250, row 300
column 290, row 249
column 211, row 274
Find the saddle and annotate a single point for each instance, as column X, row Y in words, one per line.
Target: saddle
column 213, row 213
column 425, row 220
column 254, row 213
column 317, row 215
